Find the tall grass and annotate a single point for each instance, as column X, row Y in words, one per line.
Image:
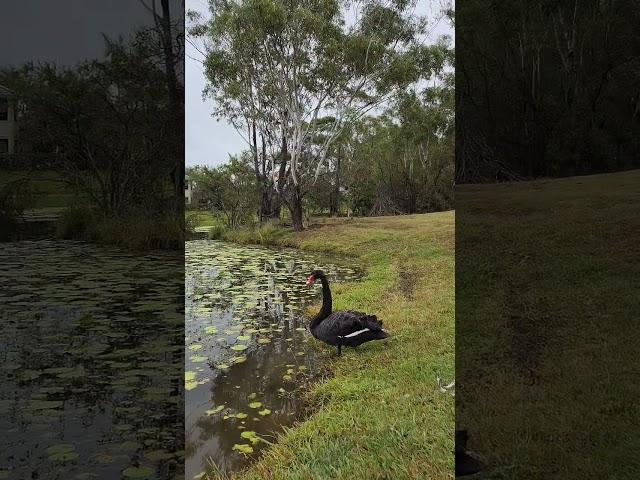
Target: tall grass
column 133, row 232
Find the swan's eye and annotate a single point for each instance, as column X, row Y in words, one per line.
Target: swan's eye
column 311, row 279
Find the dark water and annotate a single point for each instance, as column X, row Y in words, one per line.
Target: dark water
column 248, row 351
column 91, row 351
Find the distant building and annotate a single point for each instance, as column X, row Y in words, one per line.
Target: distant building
column 188, row 191
column 7, row 121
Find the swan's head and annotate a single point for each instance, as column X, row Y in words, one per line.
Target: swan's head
column 315, row 275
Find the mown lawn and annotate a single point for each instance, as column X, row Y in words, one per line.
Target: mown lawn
column 547, row 326
column 381, row 415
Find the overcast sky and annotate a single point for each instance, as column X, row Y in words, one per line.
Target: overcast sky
column 210, row 142
column 64, row 31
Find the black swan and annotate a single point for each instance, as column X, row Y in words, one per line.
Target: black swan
column 346, row 328
column 465, row 463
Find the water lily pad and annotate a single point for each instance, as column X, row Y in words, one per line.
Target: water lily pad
column 211, row 330
column 195, row 347
column 239, row 347
column 243, row 338
column 218, row 409
column 243, row 448
column 64, row 452
column 255, row 404
column 222, row 366
column 138, row 472
column 264, row 412
column 198, row 359
column 263, row 341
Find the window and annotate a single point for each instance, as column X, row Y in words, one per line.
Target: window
column 4, row 145
column 4, row 109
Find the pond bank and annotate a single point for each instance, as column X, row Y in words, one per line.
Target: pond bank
column 381, row 414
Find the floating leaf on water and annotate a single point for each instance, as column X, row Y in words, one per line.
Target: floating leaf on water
column 264, row 412
column 138, row 472
column 289, row 371
column 287, row 378
column 218, row 409
column 243, row 338
column 222, row 366
column 64, row 452
column 255, row 405
column 302, row 368
column 195, row 347
column 198, row 359
column 251, row 396
column 44, row 404
column 159, row 455
column 301, row 329
column 239, row 347
column 211, row 330
column 239, row 359
column 263, row 341
column 190, row 385
column 61, row 448
column 189, row 376
column 282, row 390
column 300, row 354
column 241, row 415
column 243, row 448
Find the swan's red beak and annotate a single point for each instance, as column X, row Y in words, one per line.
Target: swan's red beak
column 310, row 280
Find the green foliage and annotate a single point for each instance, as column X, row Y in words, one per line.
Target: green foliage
column 14, row 198
column 274, row 66
column 136, row 231
column 545, row 88
column 229, row 190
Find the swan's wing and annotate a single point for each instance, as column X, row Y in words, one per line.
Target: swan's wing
column 349, row 323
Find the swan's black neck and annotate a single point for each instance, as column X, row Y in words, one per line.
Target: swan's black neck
column 325, row 311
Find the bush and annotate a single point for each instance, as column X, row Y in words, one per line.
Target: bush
column 267, row 234
column 76, row 223
column 133, row 232
column 216, row 232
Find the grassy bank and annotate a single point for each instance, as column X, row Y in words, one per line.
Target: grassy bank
column 47, row 188
column 381, row 415
column 546, row 336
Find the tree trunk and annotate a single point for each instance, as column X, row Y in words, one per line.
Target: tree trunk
column 295, row 207
column 335, row 194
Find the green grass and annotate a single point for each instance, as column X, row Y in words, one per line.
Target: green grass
column 551, row 370
column 47, row 188
column 380, row 414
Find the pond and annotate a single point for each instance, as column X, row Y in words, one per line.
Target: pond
column 91, row 362
column 248, row 352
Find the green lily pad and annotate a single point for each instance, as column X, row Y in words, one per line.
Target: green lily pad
column 239, row 347
column 264, row 412
column 243, row 448
column 255, row 404
column 138, row 472
column 218, row 409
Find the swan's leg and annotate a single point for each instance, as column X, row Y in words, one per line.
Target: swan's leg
column 339, row 350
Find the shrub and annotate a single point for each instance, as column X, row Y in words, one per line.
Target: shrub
column 133, row 232
column 76, row 223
